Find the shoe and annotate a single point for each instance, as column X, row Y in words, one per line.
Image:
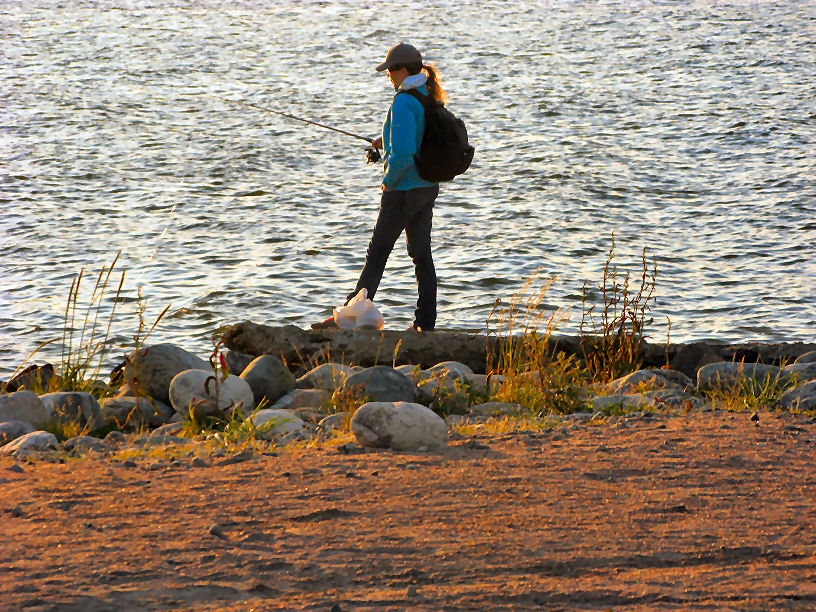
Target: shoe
column 327, row 324
column 417, row 328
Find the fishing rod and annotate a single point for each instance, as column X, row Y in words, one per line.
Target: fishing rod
column 296, row 118
column 372, row 154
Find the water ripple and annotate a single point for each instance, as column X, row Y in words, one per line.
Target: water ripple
column 684, row 128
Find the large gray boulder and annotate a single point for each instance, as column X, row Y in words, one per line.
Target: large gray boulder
column 648, row 380
column 809, row 357
column 209, row 395
column 151, row 369
column 451, row 370
column 727, row 375
column 11, row 430
column 326, row 376
column 73, row 407
column 23, row 406
column 381, row 384
column 691, row 357
column 302, row 398
column 399, row 425
column 32, row 378
column 134, row 412
column 237, row 362
column 802, row 397
column 364, row 347
column 34, row 441
column 804, row 371
column 276, row 421
column 269, row 378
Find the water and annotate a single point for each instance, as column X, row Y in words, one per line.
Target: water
column 685, row 128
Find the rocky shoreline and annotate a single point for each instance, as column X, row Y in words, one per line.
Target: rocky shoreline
column 398, row 390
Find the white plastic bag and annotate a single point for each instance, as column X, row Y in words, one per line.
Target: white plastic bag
column 360, row 312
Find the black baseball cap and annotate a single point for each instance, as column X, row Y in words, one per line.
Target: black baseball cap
column 400, row 54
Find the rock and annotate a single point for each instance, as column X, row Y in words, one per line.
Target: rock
column 170, row 429
column 160, row 440
column 398, row 425
column 269, row 378
column 134, row 412
column 73, row 407
column 23, row 406
column 381, row 384
column 328, row 376
column 201, row 388
column 309, row 415
column 443, row 395
column 237, row 362
column 626, row 402
column 802, row 397
column 32, row 378
column 365, row 347
column 241, row 457
column 34, row 441
column 809, row 357
column 479, row 382
column 804, row 371
column 151, row 369
column 275, row 421
column 11, row 430
column 463, row 419
column 98, row 388
column 449, row 369
column 411, row 371
column 335, row 421
column 496, row 409
column 114, row 438
column 647, row 380
column 84, row 443
column 302, row 398
column 426, row 349
column 727, row 375
column 691, row 357
column 578, row 416
column 668, row 399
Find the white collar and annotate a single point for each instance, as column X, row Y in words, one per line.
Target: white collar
column 413, row 81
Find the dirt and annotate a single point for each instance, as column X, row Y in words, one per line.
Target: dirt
column 700, row 511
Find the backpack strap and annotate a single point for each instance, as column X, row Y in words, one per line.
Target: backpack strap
column 425, row 100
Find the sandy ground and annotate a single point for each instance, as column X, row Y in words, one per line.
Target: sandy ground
column 702, row 511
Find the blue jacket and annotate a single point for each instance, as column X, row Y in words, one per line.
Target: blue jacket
column 402, row 136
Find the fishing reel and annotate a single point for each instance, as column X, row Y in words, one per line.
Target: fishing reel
column 372, row 155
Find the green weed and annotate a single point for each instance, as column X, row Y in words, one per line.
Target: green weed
column 612, row 338
column 532, row 372
column 750, row 393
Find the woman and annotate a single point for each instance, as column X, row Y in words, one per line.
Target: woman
column 407, row 200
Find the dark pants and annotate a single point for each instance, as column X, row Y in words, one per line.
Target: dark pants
column 412, row 211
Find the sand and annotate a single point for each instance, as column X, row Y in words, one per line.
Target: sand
column 704, row 511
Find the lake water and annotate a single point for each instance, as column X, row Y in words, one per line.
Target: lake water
column 686, row 128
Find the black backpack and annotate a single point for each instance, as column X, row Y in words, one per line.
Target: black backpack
column 444, row 152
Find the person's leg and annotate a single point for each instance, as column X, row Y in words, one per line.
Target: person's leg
column 418, row 238
column 390, row 223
